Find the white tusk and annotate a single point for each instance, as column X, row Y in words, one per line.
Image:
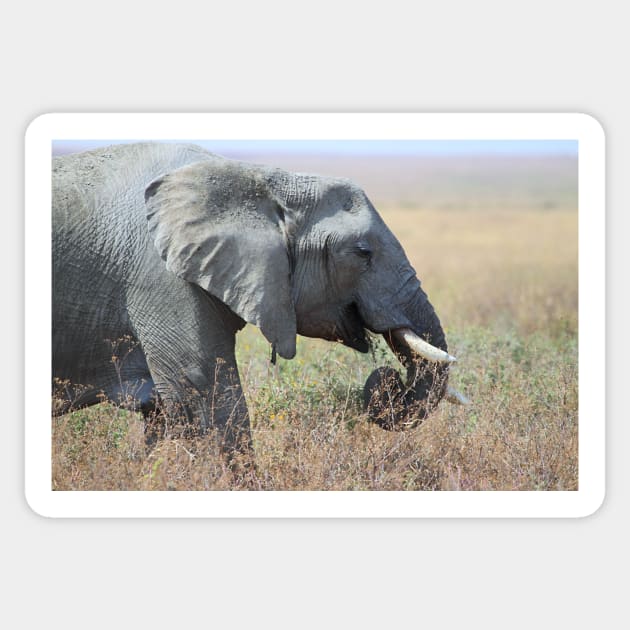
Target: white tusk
column 455, row 397
column 421, row 347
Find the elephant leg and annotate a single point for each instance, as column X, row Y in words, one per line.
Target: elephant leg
column 68, row 398
column 188, row 340
column 202, row 398
column 193, row 402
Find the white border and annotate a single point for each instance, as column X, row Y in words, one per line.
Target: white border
column 581, row 127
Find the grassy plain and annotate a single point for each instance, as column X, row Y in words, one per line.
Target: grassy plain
column 503, row 279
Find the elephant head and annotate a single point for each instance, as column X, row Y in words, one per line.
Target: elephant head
column 303, row 254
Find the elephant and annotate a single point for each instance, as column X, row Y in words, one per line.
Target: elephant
column 162, row 252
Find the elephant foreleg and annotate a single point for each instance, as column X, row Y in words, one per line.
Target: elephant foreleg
column 188, row 340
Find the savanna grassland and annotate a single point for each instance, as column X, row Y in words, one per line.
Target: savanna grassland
column 496, row 250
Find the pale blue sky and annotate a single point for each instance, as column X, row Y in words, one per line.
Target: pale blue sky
column 360, row 147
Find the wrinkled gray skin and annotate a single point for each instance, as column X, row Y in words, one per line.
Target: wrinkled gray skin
column 161, row 253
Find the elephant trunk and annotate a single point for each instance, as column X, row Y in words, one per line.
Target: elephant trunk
column 394, row 404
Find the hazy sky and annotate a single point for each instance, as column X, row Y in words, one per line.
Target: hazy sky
column 359, row 147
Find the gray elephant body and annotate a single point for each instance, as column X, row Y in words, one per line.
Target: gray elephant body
column 162, row 252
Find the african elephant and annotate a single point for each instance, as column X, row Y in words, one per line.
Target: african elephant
column 162, row 252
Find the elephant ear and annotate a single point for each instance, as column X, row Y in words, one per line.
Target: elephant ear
column 217, row 224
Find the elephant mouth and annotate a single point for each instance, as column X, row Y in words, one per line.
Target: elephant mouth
column 392, row 403
column 352, row 329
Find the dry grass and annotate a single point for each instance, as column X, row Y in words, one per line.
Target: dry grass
column 505, row 286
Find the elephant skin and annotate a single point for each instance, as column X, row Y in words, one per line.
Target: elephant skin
column 163, row 252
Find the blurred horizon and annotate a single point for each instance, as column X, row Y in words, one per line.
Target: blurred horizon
column 429, row 174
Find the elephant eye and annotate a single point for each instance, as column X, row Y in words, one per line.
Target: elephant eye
column 364, row 251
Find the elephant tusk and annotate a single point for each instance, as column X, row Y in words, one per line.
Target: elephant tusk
column 455, row 397
column 421, row 347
